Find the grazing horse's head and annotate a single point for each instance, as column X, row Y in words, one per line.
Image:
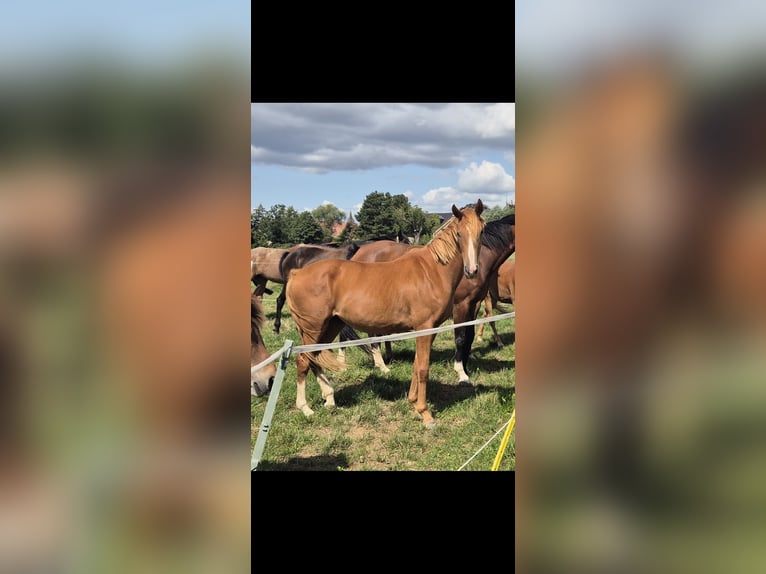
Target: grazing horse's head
column 469, row 229
column 262, row 379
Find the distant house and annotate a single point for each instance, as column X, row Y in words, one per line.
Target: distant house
column 442, row 216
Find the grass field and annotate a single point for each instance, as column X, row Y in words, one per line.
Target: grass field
column 374, row 426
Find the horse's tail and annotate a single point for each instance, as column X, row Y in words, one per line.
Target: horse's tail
column 352, row 249
column 281, row 260
column 326, row 360
column 348, row 334
column 501, row 308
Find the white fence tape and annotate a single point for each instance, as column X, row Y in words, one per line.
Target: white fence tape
column 382, row 338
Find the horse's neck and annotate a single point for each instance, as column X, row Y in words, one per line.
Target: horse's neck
column 452, row 271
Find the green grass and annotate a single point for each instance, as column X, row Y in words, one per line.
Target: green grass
column 374, row 426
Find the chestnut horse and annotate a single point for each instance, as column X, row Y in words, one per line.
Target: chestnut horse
column 303, row 255
column 414, row 292
column 261, row 379
column 499, row 242
column 502, row 288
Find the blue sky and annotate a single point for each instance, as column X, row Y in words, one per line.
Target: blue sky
column 141, row 31
column 303, row 155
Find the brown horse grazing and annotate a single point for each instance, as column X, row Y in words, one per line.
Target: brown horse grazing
column 502, row 289
column 413, row 292
column 261, row 379
column 264, row 267
column 303, row 255
column 498, row 242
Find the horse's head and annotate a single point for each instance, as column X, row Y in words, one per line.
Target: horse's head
column 261, row 379
column 470, row 226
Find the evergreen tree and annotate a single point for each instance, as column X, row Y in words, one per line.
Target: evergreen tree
column 376, row 216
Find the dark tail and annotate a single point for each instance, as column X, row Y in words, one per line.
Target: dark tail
column 348, row 334
column 352, row 249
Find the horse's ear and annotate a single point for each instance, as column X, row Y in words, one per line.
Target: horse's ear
column 456, row 212
column 479, row 207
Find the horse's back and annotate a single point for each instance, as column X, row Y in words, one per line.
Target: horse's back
column 384, row 250
column 264, row 261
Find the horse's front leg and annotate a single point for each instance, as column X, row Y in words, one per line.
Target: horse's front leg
column 461, row 356
column 463, row 341
column 280, row 304
column 420, row 368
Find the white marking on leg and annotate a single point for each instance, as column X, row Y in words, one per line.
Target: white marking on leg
column 328, row 394
column 377, row 358
column 342, row 355
column 461, row 374
column 300, row 399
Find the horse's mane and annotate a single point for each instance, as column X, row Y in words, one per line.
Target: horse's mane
column 257, row 315
column 497, row 234
column 443, row 246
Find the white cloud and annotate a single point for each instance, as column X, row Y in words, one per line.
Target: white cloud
column 487, row 177
column 436, row 199
column 499, row 120
column 326, row 137
column 327, row 202
column 487, row 181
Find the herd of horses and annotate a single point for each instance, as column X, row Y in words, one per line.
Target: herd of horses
column 381, row 287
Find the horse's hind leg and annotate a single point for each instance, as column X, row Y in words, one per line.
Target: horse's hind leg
column 331, row 331
column 389, row 353
column 300, row 395
column 377, row 358
column 328, row 393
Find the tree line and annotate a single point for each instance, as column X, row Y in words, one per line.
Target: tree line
column 381, row 215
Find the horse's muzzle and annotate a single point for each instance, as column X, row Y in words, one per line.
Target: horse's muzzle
column 470, row 274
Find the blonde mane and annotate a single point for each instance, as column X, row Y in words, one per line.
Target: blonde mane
column 443, row 246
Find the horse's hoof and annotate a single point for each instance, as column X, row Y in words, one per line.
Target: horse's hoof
column 430, row 425
column 466, row 383
column 306, row 410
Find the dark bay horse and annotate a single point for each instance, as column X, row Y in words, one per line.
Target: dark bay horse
column 261, row 379
column 498, row 243
column 413, row 292
column 502, row 289
column 303, row 255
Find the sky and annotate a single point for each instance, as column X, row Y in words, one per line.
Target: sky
column 142, row 31
column 306, row 154
column 551, row 35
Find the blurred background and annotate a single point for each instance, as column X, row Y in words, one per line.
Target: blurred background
column 124, row 221
column 641, row 287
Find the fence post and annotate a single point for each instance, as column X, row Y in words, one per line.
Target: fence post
column 504, row 442
column 260, row 442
